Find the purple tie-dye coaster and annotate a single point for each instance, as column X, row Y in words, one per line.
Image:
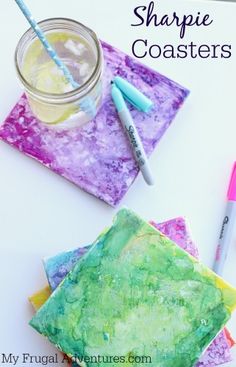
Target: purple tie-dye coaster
column 59, row 266
column 98, row 157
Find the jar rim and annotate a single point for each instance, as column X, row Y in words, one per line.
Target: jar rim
column 67, row 96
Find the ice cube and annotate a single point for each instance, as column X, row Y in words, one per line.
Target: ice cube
column 71, row 46
column 81, row 47
column 84, row 69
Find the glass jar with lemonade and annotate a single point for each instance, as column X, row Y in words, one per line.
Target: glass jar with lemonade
column 51, row 97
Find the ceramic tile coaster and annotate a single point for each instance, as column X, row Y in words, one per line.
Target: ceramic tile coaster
column 97, row 157
column 59, row 266
column 230, row 338
column 39, row 298
column 140, row 277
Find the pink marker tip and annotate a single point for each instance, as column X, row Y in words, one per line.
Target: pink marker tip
column 232, row 186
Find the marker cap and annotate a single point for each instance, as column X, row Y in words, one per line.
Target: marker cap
column 232, row 186
column 118, row 98
column 133, row 95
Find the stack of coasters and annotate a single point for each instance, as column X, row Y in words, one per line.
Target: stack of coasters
column 98, row 157
column 159, row 282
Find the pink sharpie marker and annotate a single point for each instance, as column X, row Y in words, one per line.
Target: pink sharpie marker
column 227, row 226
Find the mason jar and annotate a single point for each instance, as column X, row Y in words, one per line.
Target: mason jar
column 52, row 99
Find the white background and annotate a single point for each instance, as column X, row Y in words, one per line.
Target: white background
column 42, row 214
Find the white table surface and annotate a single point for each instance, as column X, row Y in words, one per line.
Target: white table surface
column 42, row 214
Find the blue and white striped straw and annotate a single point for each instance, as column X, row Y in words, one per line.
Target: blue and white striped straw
column 52, row 53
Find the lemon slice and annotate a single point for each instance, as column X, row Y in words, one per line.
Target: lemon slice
column 51, row 79
column 51, row 114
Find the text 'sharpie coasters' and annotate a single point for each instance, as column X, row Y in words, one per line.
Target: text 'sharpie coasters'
column 98, row 157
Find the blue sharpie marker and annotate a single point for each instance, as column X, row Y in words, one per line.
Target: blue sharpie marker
column 119, row 88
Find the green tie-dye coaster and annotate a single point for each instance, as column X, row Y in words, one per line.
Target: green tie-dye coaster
column 136, row 294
